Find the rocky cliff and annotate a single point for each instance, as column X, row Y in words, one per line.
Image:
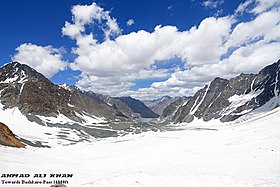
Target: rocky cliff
column 230, row 99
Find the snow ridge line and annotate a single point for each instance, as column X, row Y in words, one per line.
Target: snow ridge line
column 197, row 106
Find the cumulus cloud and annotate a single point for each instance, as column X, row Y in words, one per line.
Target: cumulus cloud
column 263, row 27
column 265, row 5
column 221, row 47
column 116, row 85
column 45, row 59
column 83, row 15
column 129, row 55
column 130, row 22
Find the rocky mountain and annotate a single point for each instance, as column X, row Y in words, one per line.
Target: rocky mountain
column 151, row 103
column 126, row 107
column 170, row 110
column 228, row 100
column 25, row 88
column 158, row 105
column 8, row 138
column 138, row 107
column 67, row 107
column 69, row 115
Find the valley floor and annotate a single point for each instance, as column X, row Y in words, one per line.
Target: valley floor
column 239, row 155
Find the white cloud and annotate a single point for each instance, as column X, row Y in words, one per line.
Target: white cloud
column 128, row 55
column 139, row 50
column 72, row 30
column 262, row 27
column 212, row 3
column 144, row 74
column 257, row 6
column 130, row 22
column 83, row 15
column 116, row 85
column 243, row 7
column 221, row 47
column 265, row 5
column 251, row 58
column 46, row 60
column 105, row 85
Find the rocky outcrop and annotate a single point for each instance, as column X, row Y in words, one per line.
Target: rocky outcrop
column 8, row 138
column 227, row 100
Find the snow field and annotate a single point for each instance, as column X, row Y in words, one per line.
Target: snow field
column 197, row 155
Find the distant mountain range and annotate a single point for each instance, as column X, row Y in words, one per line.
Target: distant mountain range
column 158, row 105
column 87, row 114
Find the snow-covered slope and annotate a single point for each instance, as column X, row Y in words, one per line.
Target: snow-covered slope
column 42, row 131
column 44, row 134
column 201, row 154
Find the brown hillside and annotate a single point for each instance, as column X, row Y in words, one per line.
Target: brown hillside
column 8, row 138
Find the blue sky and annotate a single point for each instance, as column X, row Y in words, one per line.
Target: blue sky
column 169, row 47
column 40, row 22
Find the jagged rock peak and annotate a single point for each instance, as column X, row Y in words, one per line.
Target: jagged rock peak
column 166, row 97
column 69, row 87
column 17, row 72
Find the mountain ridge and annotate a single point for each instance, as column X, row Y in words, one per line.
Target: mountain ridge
column 33, row 93
column 227, row 100
column 76, row 114
column 158, row 105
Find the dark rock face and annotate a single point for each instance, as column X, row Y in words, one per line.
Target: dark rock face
column 125, row 107
column 31, row 92
column 88, row 104
column 25, row 88
column 215, row 101
column 16, row 71
column 268, row 81
column 169, row 111
column 138, row 107
column 8, row 138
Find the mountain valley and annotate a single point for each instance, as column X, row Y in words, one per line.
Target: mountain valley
column 77, row 116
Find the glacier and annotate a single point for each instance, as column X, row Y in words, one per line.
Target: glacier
column 243, row 154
